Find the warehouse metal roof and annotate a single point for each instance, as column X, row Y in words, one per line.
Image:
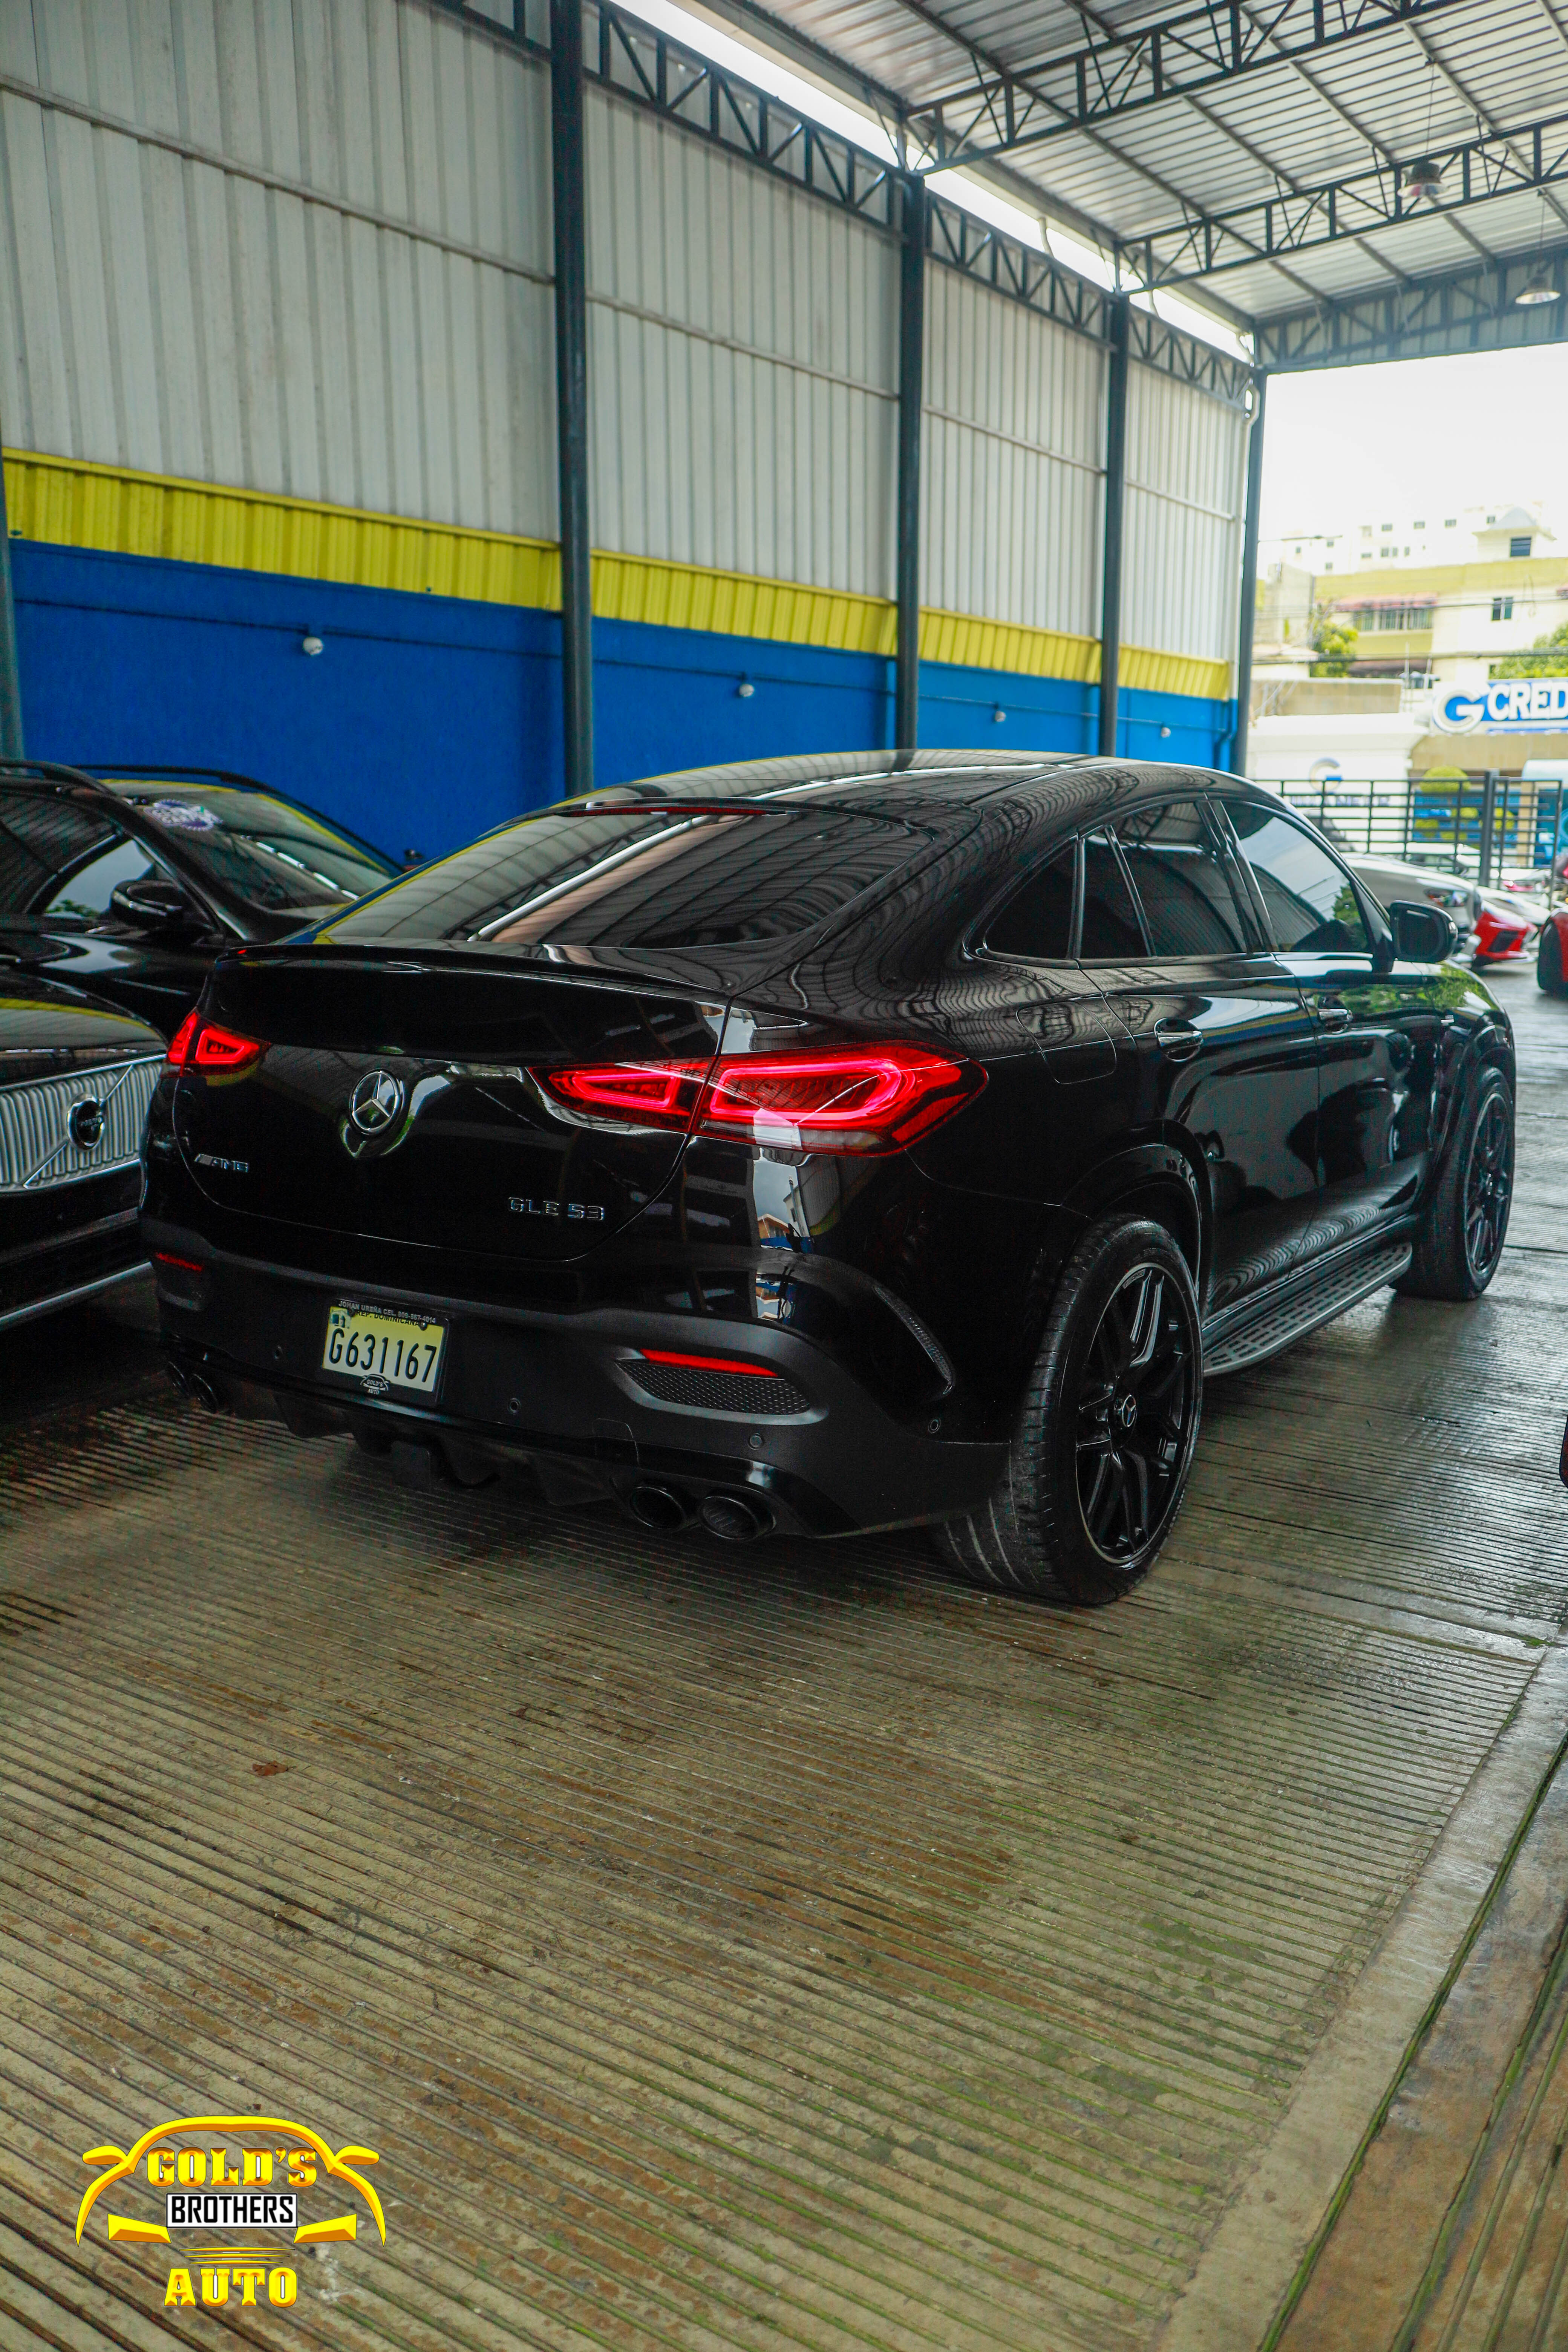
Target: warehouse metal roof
column 1257, row 155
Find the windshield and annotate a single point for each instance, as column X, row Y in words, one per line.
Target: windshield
column 258, row 849
column 652, row 877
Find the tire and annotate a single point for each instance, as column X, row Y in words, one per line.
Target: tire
column 1083, row 1508
column 1459, row 1246
column 1549, row 972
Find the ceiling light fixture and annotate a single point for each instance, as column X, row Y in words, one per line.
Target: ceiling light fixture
column 1539, row 289
column 1424, row 178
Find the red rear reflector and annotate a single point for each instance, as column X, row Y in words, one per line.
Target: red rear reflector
column 180, row 1043
column 186, row 1265
column 222, row 1051
column 708, row 1363
column 836, row 1098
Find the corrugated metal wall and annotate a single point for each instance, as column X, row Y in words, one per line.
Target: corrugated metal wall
column 1186, row 464
column 744, row 365
column 1013, row 442
column 388, row 347
column 305, row 249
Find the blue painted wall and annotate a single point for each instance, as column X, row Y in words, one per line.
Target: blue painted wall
column 427, row 719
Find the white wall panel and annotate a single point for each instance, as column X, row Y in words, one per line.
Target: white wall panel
column 743, row 348
column 1186, row 458
column 1013, row 460
column 160, row 312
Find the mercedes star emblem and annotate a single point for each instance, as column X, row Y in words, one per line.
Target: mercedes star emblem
column 376, row 1102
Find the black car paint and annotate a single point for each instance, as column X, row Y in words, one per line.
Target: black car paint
column 154, row 969
column 56, row 1240
column 903, row 1296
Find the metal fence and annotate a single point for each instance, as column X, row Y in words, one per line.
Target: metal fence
column 1481, row 825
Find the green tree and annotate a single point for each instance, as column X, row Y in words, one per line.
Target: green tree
column 1547, row 657
column 1334, row 644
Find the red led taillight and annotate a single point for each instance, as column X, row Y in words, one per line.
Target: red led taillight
column 180, row 1043
column 635, row 1093
column 204, row 1045
column 866, row 1098
column 221, row 1051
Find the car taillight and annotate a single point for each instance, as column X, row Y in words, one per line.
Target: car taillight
column 180, row 1043
column 222, row 1051
column 629, row 1094
column 866, row 1098
column 219, row 1053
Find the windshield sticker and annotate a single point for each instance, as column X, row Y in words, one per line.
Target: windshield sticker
column 184, row 816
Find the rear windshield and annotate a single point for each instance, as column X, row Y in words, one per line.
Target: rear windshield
column 261, row 851
column 648, row 878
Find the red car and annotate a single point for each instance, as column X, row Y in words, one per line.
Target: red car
column 1500, row 936
column 1551, row 959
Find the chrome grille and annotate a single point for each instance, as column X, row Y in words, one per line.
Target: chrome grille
column 36, row 1146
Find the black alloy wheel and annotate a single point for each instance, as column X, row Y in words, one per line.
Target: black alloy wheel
column 1489, row 1190
column 1549, row 972
column 1133, row 1408
column 1106, row 1430
column 1459, row 1246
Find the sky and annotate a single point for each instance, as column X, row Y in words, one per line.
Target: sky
column 1448, row 432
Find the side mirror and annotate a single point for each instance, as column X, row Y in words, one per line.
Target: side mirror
column 1422, row 934
column 154, row 905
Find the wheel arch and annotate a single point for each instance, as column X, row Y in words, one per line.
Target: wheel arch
column 1164, row 1181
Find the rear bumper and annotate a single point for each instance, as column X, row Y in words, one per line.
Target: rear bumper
column 570, row 1393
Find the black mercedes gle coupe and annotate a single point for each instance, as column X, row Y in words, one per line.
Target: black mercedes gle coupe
column 830, row 1144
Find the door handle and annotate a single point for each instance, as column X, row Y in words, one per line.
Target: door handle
column 1334, row 1016
column 1178, row 1040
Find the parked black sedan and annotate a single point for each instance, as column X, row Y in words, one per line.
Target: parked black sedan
column 128, row 885
column 75, row 1081
column 831, row 1144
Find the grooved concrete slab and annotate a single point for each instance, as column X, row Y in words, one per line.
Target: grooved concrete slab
column 780, row 1947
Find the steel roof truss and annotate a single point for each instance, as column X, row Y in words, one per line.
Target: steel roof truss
column 1198, row 49
column 1514, row 162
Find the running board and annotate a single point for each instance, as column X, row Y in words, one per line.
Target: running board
column 1280, row 1321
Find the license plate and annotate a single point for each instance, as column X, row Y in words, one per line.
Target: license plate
column 383, row 1351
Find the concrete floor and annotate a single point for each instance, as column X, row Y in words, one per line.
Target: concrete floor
column 793, row 1947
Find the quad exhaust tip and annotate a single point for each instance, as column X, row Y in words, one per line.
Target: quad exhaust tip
column 732, row 1517
column 193, row 1383
column 661, row 1508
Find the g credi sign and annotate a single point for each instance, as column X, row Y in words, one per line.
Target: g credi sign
column 231, row 2212
column 1517, row 706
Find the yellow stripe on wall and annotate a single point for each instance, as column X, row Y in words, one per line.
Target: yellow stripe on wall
column 69, row 502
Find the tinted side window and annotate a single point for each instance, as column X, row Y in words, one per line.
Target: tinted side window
column 1111, row 930
column 90, row 889
column 1036, row 922
column 1312, row 906
column 1177, row 871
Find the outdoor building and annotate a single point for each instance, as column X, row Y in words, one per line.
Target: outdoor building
column 1434, row 536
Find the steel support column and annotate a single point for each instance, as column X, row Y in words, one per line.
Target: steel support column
column 1248, row 622
column 911, row 394
column 569, row 201
column 1115, row 502
column 11, row 745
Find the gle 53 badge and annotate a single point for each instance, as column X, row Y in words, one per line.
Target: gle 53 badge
column 232, row 2196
